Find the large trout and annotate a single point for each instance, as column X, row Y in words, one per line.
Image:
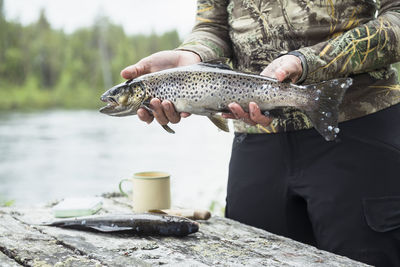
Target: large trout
column 207, row 89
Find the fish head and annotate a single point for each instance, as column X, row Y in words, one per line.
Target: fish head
column 124, row 99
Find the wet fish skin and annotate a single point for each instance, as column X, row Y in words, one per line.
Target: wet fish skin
column 206, row 89
column 139, row 223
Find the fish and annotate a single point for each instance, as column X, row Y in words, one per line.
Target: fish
column 137, row 223
column 208, row 88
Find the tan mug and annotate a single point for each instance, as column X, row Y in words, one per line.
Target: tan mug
column 151, row 190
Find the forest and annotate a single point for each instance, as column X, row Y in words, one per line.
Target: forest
column 41, row 67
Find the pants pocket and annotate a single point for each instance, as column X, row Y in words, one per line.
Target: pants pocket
column 382, row 213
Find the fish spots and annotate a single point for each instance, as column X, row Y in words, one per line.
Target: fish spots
column 221, row 106
column 334, row 130
column 267, row 87
column 216, row 87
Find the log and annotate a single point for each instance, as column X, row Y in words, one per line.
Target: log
column 219, row 242
column 7, row 261
column 29, row 247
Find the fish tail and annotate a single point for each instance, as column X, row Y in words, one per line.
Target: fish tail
column 327, row 97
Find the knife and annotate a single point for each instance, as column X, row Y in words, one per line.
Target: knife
column 188, row 213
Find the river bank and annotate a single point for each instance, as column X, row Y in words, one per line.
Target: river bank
column 52, row 154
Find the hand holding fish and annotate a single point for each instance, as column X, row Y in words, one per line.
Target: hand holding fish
column 164, row 111
column 160, row 61
column 287, row 67
column 209, row 88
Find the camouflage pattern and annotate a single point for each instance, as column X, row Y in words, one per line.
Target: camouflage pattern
column 338, row 38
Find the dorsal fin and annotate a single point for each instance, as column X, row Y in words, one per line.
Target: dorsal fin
column 220, row 63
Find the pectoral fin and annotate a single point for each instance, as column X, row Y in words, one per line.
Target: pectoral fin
column 220, row 122
column 146, row 105
column 168, row 129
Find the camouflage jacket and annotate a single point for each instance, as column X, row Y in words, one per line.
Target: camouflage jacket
column 356, row 38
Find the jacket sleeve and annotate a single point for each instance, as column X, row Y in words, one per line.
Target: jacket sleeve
column 364, row 48
column 209, row 37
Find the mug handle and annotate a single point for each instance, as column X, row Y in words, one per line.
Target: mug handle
column 120, row 186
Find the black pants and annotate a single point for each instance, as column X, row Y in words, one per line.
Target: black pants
column 342, row 196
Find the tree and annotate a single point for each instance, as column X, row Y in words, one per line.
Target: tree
column 43, row 23
column 46, row 52
column 44, row 67
column 102, row 26
column 2, row 31
column 2, row 16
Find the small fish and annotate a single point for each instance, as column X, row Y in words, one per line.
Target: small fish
column 142, row 224
column 208, row 88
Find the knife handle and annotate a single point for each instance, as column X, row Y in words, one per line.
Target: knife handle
column 188, row 213
column 201, row 215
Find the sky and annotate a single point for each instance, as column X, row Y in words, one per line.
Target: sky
column 136, row 16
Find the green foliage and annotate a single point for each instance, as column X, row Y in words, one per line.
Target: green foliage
column 45, row 68
column 6, row 203
column 1, row 9
column 216, row 208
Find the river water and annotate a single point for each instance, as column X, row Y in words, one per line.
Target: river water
column 50, row 155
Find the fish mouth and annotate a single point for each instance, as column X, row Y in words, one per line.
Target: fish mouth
column 114, row 108
column 110, row 108
column 112, row 105
column 109, row 100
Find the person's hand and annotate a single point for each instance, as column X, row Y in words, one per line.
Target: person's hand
column 164, row 111
column 284, row 68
